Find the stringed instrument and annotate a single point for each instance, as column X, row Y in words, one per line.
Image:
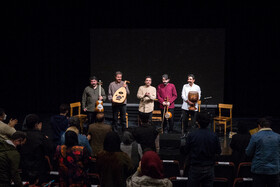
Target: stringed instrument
column 167, row 114
column 120, row 95
column 99, row 103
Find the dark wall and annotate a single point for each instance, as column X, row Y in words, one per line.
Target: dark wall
column 46, row 57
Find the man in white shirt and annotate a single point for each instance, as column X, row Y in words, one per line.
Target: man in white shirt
column 191, row 86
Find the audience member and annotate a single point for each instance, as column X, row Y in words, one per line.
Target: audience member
column 72, row 161
column 149, row 173
column 264, row 147
column 238, row 144
column 59, row 123
column 35, row 153
column 131, row 148
column 10, row 159
column 202, row 145
column 145, row 134
column 6, row 130
column 74, row 125
column 97, row 133
column 113, row 165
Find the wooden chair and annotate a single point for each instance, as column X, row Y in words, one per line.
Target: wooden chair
column 224, row 119
column 82, row 117
column 157, row 116
column 126, row 119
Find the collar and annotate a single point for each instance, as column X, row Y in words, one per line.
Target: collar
column 10, row 142
column 265, row 129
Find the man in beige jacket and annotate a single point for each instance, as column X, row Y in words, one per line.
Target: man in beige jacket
column 147, row 95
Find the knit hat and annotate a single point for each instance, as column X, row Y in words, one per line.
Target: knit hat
column 151, row 165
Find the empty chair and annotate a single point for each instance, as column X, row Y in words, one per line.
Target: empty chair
column 171, row 168
column 243, row 182
column 244, row 170
column 82, row 117
column 224, row 119
column 225, row 170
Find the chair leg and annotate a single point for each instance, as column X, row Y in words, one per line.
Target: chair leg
column 225, row 131
column 214, row 126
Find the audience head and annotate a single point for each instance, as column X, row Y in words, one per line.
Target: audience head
column 100, row 117
column 112, row 142
column 71, row 139
column 18, row 138
column 74, row 122
column 151, row 165
column 144, row 119
column 264, row 123
column 127, row 138
column 3, row 115
column 33, row 122
column 203, row 119
column 64, row 108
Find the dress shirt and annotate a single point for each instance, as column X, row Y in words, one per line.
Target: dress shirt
column 186, row 89
column 146, row 104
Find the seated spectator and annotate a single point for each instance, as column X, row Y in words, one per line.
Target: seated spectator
column 10, row 158
column 145, row 134
column 59, row 123
column 35, row 153
column 149, row 173
column 6, row 130
column 97, row 132
column 131, row 148
column 113, row 165
column 238, row 144
column 72, row 161
column 74, row 125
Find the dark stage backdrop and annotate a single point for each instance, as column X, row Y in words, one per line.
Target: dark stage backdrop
column 177, row 52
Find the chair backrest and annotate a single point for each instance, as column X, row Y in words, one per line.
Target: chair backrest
column 74, row 105
column 225, row 170
column 244, row 170
column 179, row 181
column 225, row 107
column 171, row 168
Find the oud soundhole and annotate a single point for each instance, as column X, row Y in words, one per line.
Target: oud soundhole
column 120, row 92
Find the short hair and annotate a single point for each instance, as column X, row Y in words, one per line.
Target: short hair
column 165, row 76
column 144, row 118
column 118, row 73
column 63, row 108
column 18, row 135
column 32, row 120
column 191, row 75
column 2, row 111
column 71, row 139
column 148, row 76
column 265, row 123
column 74, row 121
column 202, row 119
column 100, row 117
column 93, row 78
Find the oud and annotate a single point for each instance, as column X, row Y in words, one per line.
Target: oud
column 120, row 95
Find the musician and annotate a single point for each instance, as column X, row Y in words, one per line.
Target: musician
column 118, row 107
column 89, row 98
column 191, row 86
column 167, row 94
column 147, row 94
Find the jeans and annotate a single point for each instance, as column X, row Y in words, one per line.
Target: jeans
column 119, row 108
column 201, row 175
column 262, row 180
